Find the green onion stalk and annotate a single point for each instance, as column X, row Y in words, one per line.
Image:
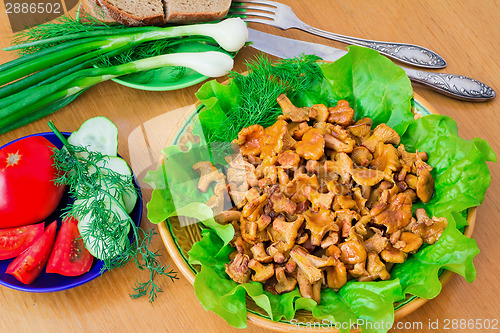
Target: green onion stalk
column 53, row 70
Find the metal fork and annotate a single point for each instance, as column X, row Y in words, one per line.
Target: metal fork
column 282, row 16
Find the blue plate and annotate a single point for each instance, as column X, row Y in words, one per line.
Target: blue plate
column 49, row 282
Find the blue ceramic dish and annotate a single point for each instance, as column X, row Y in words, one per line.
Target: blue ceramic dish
column 50, row 282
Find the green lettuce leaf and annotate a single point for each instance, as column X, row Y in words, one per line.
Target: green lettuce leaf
column 460, row 172
column 218, row 99
column 374, row 87
column 419, row 275
column 175, row 183
column 175, row 190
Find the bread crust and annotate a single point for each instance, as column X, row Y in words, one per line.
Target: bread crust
column 127, row 19
column 174, row 15
column 180, row 17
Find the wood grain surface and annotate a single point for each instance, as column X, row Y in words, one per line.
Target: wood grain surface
column 466, row 33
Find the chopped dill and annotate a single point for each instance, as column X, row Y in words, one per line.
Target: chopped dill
column 259, row 89
column 63, row 27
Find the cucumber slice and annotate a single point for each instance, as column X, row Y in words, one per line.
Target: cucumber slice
column 117, row 164
column 97, row 134
column 120, row 166
column 104, row 248
column 130, row 199
column 114, row 163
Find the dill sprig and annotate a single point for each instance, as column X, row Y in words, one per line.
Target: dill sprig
column 149, row 260
column 259, row 89
column 63, row 27
column 96, row 189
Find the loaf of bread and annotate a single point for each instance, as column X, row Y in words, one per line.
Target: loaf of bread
column 155, row 12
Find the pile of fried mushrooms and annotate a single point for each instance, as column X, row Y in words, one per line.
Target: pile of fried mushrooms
column 319, row 199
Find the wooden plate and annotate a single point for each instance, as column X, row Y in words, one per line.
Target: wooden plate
column 178, row 241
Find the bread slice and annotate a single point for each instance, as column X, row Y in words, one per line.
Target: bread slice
column 192, row 11
column 91, row 8
column 134, row 12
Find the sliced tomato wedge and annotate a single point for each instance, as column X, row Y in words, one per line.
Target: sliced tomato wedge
column 28, row 265
column 69, row 256
column 13, row 241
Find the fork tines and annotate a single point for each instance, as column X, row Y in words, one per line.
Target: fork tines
column 258, row 8
column 262, row 2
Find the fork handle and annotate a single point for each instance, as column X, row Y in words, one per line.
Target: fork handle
column 457, row 86
column 409, row 54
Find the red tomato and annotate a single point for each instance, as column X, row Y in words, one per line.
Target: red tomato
column 69, row 256
column 28, row 265
column 15, row 240
column 27, row 192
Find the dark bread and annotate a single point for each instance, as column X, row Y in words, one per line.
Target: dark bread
column 193, row 11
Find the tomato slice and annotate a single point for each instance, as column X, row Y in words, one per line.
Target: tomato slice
column 28, row 265
column 69, row 256
column 15, row 240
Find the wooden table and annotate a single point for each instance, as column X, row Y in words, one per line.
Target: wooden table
column 465, row 33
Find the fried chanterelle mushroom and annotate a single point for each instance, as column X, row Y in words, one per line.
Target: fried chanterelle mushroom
column 320, row 199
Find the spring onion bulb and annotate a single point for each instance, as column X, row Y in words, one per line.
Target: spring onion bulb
column 231, row 34
column 211, row 64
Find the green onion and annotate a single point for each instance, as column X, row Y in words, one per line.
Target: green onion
column 55, row 40
column 61, row 66
column 23, row 104
column 42, row 112
column 56, row 72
